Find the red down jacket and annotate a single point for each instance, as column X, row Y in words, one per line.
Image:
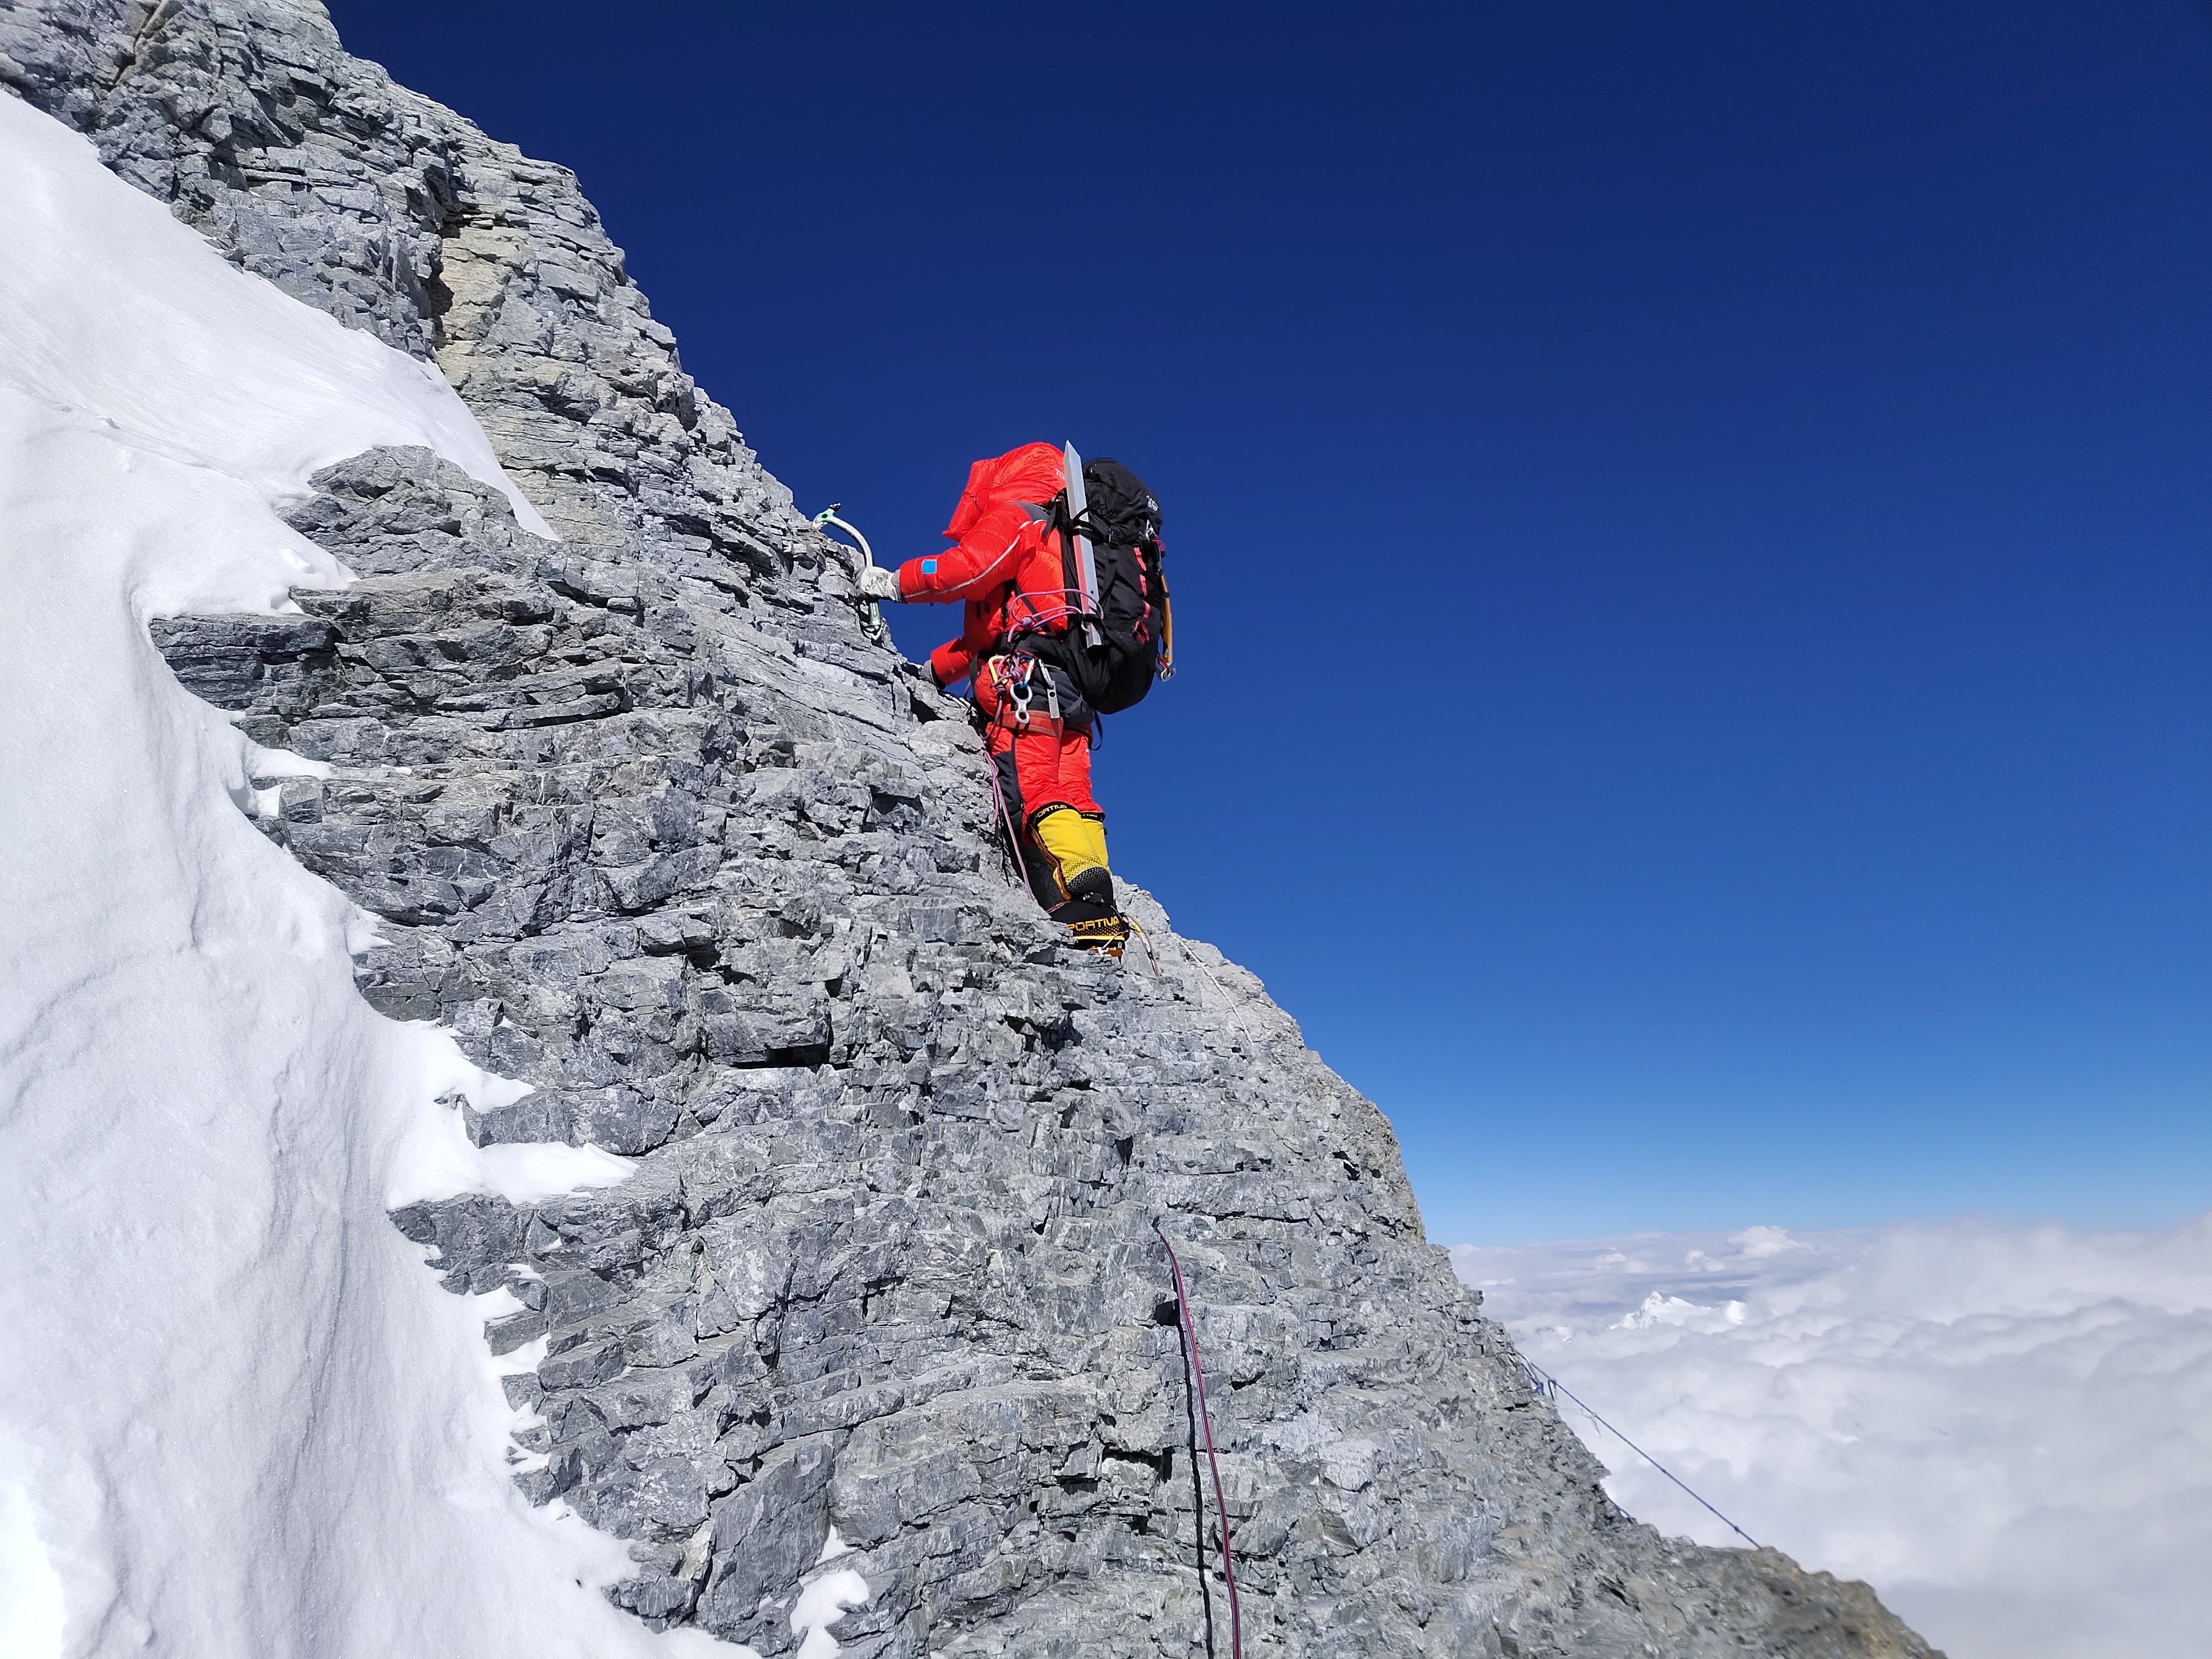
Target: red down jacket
column 1001, row 561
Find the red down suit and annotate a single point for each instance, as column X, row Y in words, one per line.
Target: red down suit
column 1007, row 569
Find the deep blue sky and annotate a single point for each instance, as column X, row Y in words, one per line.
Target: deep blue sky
column 1689, row 525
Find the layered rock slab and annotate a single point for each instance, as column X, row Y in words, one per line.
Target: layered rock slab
column 652, row 823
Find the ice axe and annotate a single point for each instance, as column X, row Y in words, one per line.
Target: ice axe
column 828, row 518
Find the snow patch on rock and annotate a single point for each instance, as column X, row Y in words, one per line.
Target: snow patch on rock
column 237, row 1410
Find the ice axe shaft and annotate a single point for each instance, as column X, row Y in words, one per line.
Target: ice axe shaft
column 828, row 518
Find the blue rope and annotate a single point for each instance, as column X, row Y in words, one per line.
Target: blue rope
column 1544, row 1382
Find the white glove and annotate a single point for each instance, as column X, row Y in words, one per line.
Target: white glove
column 878, row 583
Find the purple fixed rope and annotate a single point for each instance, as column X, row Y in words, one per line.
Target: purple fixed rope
column 1206, row 1421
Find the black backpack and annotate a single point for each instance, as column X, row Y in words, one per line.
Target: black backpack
column 1122, row 518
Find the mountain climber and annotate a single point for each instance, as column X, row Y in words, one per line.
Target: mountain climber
column 1009, row 561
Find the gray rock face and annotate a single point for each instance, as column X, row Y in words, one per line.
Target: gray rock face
column 652, row 823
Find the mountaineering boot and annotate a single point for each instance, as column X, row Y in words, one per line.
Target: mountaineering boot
column 1106, row 935
column 1089, row 895
column 1090, row 912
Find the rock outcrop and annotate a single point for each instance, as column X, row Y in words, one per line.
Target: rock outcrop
column 654, row 824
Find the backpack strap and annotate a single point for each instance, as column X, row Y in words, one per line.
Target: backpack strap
column 1053, row 516
column 1032, row 624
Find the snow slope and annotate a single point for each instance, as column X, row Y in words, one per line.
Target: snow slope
column 237, row 1415
column 2007, row 1430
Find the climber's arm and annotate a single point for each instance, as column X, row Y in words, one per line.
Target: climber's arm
column 952, row 662
column 983, row 558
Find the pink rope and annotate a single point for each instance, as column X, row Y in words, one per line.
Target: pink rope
column 1206, row 1421
column 1037, row 614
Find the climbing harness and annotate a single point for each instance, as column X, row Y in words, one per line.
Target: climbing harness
column 827, row 518
column 1014, row 675
column 1545, row 1383
column 1018, row 676
column 1195, row 1384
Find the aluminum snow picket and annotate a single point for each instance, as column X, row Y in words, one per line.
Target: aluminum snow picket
column 1086, row 567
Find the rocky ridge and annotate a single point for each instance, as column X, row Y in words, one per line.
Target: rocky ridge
column 654, row 824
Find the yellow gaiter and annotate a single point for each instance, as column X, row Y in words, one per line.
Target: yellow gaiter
column 1076, row 843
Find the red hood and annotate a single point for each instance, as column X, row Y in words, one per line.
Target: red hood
column 1034, row 473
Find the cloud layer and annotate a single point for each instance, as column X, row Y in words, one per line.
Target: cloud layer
column 2007, row 1430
